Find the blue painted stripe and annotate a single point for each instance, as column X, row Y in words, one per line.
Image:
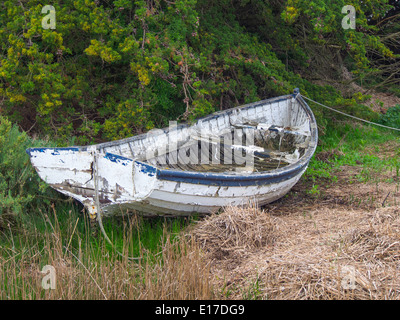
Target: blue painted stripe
column 114, row 158
column 147, row 168
column 230, row 180
column 55, row 150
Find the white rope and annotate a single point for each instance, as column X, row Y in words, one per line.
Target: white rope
column 348, row 115
column 98, row 208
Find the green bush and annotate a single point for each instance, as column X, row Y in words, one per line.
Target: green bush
column 391, row 118
column 21, row 189
column 112, row 69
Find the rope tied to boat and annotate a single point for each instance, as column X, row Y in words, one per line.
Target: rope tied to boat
column 347, row 115
column 98, row 208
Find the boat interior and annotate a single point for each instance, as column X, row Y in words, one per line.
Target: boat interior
column 242, row 149
column 258, row 137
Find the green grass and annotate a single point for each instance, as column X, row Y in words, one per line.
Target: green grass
column 354, row 145
column 134, row 236
column 146, row 233
column 89, row 268
column 143, row 233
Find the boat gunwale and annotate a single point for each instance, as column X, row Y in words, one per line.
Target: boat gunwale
column 240, row 179
column 216, row 178
column 186, row 125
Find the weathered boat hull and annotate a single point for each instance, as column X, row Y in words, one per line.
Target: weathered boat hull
column 130, row 174
column 185, row 199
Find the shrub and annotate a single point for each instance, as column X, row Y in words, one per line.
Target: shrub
column 112, row 69
column 391, row 118
column 21, row 189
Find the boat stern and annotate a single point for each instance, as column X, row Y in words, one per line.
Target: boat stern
column 71, row 171
column 62, row 166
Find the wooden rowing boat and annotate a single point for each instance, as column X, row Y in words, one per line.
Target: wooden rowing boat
column 254, row 152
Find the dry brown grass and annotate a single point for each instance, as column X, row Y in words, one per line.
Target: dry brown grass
column 316, row 250
column 235, row 229
column 343, row 244
column 95, row 272
column 308, row 252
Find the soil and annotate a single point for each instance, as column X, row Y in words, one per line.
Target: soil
column 379, row 101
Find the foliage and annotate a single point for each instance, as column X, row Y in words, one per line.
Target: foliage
column 309, row 35
column 392, row 117
column 112, row 69
column 323, row 22
column 20, row 186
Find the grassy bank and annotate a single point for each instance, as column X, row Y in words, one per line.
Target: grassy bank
column 375, row 151
column 182, row 258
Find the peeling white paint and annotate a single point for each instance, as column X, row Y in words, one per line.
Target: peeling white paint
column 127, row 181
